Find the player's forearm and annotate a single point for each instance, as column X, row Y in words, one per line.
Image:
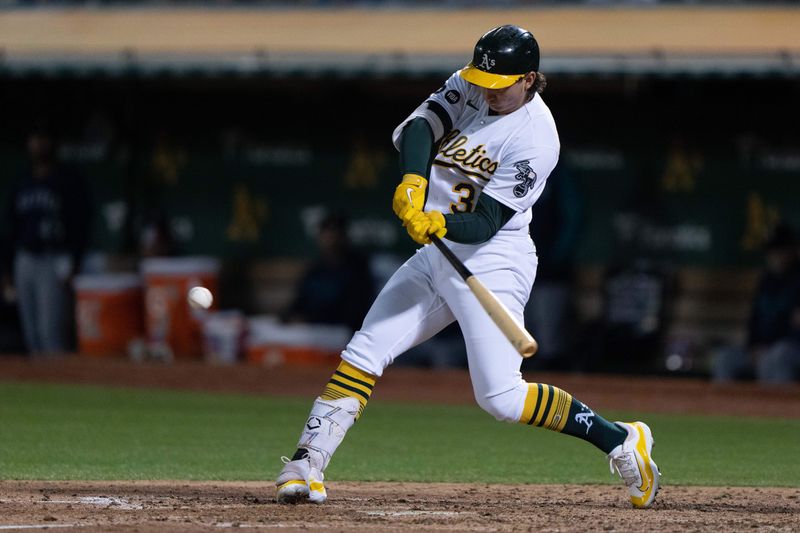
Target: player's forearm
column 416, row 148
column 481, row 224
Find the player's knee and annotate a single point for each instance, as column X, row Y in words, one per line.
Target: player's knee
column 504, row 407
column 363, row 359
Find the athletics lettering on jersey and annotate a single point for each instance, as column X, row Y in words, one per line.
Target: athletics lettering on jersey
column 506, row 157
column 464, row 159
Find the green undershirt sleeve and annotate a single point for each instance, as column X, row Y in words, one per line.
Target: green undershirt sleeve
column 416, row 148
column 480, row 225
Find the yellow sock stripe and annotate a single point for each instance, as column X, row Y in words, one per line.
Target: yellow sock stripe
column 564, row 412
column 334, row 392
column 338, row 386
column 543, row 405
column 530, row 403
column 556, row 409
column 330, row 394
column 547, row 410
column 550, row 414
column 537, row 403
column 353, row 372
column 546, row 406
column 348, row 381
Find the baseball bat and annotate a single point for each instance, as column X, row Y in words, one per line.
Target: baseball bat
column 519, row 337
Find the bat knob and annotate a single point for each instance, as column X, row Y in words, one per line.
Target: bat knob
column 529, row 348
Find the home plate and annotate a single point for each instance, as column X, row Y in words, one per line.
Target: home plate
column 100, row 501
column 120, row 503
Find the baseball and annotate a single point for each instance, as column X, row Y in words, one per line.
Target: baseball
column 200, row 298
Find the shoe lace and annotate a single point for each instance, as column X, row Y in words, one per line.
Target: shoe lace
column 625, row 465
column 286, row 460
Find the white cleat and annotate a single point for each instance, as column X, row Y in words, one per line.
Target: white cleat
column 632, row 461
column 316, row 488
column 299, row 482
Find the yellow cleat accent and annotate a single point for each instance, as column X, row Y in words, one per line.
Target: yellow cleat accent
column 632, row 461
column 293, row 491
column 299, row 482
column 317, row 492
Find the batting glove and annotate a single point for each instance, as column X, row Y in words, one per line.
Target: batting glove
column 422, row 225
column 410, row 194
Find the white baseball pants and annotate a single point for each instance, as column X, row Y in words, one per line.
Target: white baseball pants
column 426, row 294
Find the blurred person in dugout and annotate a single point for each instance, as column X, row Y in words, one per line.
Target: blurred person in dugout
column 47, row 219
column 772, row 351
column 337, row 287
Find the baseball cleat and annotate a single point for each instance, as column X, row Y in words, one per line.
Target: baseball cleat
column 632, row 461
column 316, row 489
column 299, row 482
column 292, row 491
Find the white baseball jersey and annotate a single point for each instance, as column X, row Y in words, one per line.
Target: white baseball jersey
column 508, row 157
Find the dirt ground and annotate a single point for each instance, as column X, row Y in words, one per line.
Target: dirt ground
column 182, row 506
column 190, row 506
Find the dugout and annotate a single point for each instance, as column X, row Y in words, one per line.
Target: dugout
column 684, row 152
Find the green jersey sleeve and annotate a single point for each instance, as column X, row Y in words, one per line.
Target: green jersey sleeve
column 481, row 224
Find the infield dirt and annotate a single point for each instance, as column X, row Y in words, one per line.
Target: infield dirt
column 181, row 506
column 191, row 506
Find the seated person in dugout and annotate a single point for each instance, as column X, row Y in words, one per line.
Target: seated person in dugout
column 337, row 287
column 772, row 350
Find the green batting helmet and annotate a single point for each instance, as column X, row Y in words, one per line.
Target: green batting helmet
column 502, row 56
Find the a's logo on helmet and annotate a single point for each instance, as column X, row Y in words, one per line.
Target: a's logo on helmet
column 524, row 176
column 486, row 63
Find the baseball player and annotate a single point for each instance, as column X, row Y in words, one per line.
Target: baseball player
column 475, row 156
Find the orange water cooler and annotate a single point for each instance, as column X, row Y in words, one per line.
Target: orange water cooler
column 174, row 329
column 108, row 313
column 270, row 342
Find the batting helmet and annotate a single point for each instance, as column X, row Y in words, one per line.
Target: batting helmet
column 502, row 56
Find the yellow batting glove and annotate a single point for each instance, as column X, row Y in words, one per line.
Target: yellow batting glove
column 422, row 225
column 437, row 224
column 417, row 227
column 410, row 194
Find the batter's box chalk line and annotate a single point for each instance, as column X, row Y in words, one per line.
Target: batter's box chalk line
column 413, row 513
column 277, row 525
column 40, row 526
